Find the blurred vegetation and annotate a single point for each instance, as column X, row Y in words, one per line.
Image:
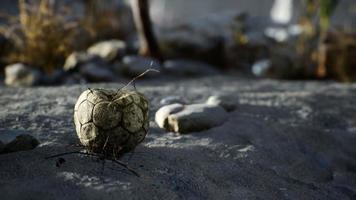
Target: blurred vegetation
column 44, row 34
column 328, row 51
column 316, row 22
column 322, row 51
column 40, row 35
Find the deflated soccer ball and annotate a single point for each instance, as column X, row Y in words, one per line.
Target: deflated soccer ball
column 111, row 122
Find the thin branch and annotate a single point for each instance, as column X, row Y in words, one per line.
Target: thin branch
column 137, row 77
column 126, row 166
column 96, row 155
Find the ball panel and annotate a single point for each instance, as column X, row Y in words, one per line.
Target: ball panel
column 144, row 103
column 132, row 118
column 124, row 100
column 106, row 115
column 136, row 98
column 118, row 136
column 85, row 111
column 88, row 133
column 97, row 95
column 81, row 98
column 77, row 124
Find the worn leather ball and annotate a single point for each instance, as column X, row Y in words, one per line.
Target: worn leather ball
column 111, row 122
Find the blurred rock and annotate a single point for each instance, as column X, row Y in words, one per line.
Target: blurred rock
column 3, row 40
column 227, row 102
column 117, row 67
column 190, row 118
column 133, row 66
column 94, row 72
column 109, row 50
column 2, row 146
column 280, row 66
column 8, row 136
column 21, row 143
column 55, row 78
column 244, row 51
column 283, row 34
column 74, row 78
column 5, row 44
column 162, row 114
column 185, row 42
column 261, row 68
column 184, row 67
column 16, row 140
column 229, row 39
column 20, row 75
column 76, row 59
column 172, row 100
column 277, row 34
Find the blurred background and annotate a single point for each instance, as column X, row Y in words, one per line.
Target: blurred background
column 49, row 42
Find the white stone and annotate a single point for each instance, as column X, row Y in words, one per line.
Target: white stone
column 109, row 50
column 163, row 113
column 190, row 118
column 20, row 75
column 227, row 102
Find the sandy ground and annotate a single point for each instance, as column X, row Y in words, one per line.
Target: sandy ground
column 286, row 140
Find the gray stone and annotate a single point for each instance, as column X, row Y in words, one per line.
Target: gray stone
column 133, row 66
column 261, row 68
column 16, row 140
column 95, row 72
column 232, row 39
column 284, row 64
column 74, row 78
column 184, row 67
column 20, row 75
column 117, row 67
column 2, row 146
column 76, row 59
column 162, row 114
column 228, row 102
column 172, row 100
column 186, row 42
column 55, row 78
column 22, row 142
column 190, row 118
column 251, row 45
column 109, row 50
column 10, row 135
column 3, row 40
column 5, row 44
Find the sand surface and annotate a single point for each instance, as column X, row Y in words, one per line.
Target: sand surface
column 286, row 140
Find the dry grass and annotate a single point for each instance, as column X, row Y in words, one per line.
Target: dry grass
column 41, row 36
